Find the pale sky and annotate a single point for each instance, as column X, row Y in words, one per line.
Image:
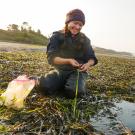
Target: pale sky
column 109, row 23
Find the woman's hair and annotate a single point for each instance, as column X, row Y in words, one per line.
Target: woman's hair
column 65, row 30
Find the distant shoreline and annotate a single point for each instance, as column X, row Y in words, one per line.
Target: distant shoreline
column 14, row 46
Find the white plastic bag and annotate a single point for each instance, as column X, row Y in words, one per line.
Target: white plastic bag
column 17, row 90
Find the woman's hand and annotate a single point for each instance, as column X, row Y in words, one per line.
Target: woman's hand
column 85, row 67
column 61, row 61
column 74, row 63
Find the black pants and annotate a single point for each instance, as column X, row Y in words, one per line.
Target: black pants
column 63, row 81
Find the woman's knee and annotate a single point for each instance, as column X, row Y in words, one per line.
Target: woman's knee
column 45, row 86
column 46, row 90
column 71, row 93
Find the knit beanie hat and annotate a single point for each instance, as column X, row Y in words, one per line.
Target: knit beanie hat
column 75, row 15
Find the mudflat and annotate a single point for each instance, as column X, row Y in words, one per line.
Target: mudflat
column 10, row 46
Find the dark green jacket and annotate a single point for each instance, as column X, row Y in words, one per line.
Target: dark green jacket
column 66, row 46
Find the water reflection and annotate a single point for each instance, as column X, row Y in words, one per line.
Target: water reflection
column 115, row 119
column 127, row 113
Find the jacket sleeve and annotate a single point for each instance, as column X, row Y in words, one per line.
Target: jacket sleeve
column 53, row 47
column 89, row 52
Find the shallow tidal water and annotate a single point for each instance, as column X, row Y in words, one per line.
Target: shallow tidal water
column 117, row 119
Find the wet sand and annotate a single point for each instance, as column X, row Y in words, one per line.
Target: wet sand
column 9, row 46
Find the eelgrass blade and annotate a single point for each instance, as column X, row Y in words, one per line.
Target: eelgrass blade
column 76, row 93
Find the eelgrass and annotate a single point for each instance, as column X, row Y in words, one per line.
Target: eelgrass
column 76, row 94
column 55, row 112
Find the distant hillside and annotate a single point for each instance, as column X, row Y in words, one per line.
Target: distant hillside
column 22, row 34
column 23, row 37
column 111, row 52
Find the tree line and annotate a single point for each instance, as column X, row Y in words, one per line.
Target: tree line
column 23, row 34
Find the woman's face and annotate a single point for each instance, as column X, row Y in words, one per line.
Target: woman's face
column 75, row 26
